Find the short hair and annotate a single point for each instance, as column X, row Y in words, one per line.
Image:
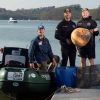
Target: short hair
column 85, row 9
column 67, row 10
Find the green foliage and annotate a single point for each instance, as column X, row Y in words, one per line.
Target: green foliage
column 46, row 13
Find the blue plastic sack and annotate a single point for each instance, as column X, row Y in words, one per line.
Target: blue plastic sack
column 66, row 76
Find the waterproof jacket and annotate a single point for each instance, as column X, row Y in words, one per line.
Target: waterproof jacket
column 40, row 50
column 63, row 32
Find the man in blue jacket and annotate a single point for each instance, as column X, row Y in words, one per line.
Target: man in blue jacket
column 40, row 51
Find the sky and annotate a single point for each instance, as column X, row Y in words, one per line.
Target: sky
column 27, row 4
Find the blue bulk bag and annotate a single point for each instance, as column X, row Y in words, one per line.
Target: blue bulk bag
column 66, row 76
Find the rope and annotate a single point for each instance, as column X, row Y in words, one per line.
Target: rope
column 64, row 89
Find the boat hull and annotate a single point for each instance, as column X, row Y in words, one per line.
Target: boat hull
column 25, row 82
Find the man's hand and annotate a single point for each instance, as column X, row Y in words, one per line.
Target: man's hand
column 31, row 65
column 54, row 62
column 35, row 66
column 94, row 30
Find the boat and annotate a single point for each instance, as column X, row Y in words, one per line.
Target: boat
column 19, row 81
column 12, row 20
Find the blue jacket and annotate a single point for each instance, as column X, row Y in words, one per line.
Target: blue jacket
column 40, row 50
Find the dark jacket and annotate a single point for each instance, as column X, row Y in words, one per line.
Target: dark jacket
column 63, row 32
column 89, row 23
column 40, row 50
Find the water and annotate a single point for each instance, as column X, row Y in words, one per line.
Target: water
column 20, row 34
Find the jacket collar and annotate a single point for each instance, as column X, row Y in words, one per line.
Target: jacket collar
column 90, row 17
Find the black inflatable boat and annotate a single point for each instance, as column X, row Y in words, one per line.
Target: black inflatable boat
column 21, row 82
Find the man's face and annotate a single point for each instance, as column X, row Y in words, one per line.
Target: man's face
column 67, row 15
column 41, row 32
column 85, row 14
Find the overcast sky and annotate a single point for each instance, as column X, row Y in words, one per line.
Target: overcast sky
column 27, row 4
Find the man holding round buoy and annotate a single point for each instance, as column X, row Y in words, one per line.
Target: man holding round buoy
column 84, row 37
column 63, row 34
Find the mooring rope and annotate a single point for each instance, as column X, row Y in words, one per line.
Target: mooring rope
column 64, row 89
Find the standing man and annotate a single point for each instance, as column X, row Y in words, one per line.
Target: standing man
column 88, row 51
column 63, row 34
column 40, row 52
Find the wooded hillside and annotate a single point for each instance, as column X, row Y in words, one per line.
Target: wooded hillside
column 46, row 13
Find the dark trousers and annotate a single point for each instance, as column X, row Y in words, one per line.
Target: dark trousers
column 44, row 66
column 68, row 54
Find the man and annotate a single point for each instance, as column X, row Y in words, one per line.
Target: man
column 40, row 52
column 63, row 34
column 88, row 51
